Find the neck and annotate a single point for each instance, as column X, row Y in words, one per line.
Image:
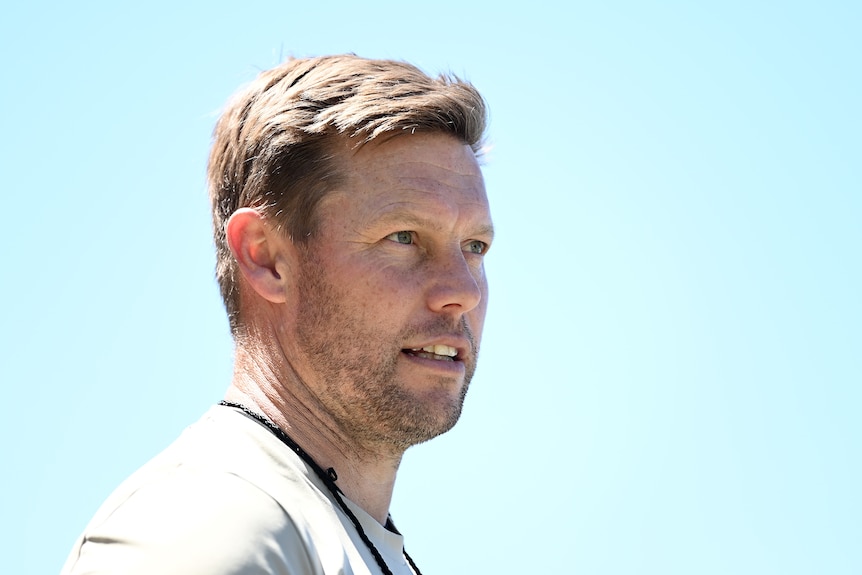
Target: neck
column 366, row 474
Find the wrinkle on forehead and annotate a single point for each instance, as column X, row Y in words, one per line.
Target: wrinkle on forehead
column 464, row 190
column 431, row 165
column 431, row 151
column 440, row 167
column 423, row 173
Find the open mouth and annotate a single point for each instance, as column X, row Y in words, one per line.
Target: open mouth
column 435, row 352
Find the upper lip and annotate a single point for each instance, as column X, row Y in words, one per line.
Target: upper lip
column 460, row 343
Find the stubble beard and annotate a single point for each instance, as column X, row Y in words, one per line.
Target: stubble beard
column 360, row 389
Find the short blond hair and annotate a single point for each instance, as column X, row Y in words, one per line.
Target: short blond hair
column 275, row 145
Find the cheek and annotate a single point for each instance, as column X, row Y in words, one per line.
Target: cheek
column 384, row 294
column 404, row 275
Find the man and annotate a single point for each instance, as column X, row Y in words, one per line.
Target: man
column 351, row 224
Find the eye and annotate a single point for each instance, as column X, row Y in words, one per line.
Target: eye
column 402, row 237
column 476, row 247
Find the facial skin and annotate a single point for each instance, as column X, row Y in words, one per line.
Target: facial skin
column 395, row 265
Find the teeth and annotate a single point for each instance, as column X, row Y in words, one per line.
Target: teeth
column 445, row 350
column 441, row 350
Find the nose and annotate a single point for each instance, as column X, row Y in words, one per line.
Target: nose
column 456, row 285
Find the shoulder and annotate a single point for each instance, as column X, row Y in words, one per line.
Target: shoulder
column 184, row 522
column 194, row 509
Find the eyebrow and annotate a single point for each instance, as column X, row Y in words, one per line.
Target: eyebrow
column 411, row 219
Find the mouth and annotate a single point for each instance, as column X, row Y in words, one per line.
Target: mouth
column 437, row 352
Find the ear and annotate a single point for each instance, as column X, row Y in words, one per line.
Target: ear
column 260, row 252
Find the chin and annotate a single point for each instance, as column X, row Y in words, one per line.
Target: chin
column 430, row 418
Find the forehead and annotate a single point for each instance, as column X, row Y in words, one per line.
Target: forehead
column 438, row 155
column 434, row 171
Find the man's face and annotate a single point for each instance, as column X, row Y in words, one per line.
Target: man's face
column 391, row 292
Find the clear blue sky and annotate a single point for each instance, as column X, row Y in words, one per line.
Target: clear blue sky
column 671, row 370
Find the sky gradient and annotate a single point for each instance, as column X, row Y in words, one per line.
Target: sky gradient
column 671, row 368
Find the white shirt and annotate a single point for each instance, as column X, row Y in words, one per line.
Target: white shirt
column 228, row 497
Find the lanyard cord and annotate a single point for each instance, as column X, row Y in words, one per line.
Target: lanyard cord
column 328, row 477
